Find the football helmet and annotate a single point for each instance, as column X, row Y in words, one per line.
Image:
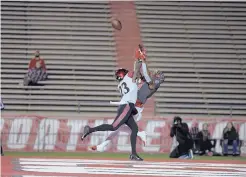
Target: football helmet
column 120, row 74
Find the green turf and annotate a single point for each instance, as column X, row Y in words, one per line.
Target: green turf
column 110, row 155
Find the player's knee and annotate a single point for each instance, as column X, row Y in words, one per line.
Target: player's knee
column 114, row 128
column 111, row 128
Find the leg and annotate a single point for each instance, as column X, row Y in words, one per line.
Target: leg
column 26, row 80
column 101, row 147
column 234, row 144
column 142, row 135
column 124, row 112
column 209, row 145
column 111, row 136
column 138, row 116
column 134, row 128
column 225, row 146
column 175, row 153
column 124, row 128
column 202, row 147
column 1, row 150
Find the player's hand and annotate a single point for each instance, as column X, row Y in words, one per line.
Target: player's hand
column 151, row 86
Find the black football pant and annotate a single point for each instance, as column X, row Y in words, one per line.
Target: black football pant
column 124, row 116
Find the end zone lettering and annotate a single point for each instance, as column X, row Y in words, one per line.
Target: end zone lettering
column 35, row 133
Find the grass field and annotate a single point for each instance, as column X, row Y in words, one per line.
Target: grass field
column 111, row 155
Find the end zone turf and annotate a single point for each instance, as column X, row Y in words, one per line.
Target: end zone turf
column 122, row 156
column 54, row 166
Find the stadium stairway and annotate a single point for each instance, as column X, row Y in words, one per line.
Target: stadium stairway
column 76, row 42
column 201, row 48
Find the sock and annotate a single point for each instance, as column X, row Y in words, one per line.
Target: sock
column 139, row 134
column 103, row 145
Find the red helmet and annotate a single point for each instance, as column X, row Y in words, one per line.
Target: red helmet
column 120, row 73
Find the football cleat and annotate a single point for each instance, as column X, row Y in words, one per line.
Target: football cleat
column 135, row 157
column 86, row 132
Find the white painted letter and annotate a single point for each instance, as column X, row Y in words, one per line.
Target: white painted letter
column 47, row 134
column 76, row 126
column 19, row 133
column 151, row 135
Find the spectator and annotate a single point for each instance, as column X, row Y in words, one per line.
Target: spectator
column 185, row 143
column 194, row 132
column 36, row 71
column 204, row 140
column 230, row 137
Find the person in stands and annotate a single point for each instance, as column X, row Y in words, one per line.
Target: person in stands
column 230, row 137
column 36, row 71
column 194, row 132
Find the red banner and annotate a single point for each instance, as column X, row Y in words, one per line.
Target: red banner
column 35, row 133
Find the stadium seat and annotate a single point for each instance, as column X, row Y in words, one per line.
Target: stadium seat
column 77, row 44
column 200, row 47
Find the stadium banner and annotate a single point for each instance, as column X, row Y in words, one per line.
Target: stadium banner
column 36, row 133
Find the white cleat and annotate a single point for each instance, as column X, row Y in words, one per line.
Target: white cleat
column 100, row 148
column 92, row 148
column 97, row 148
column 143, row 137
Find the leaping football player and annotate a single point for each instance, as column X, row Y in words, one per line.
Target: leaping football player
column 129, row 90
column 144, row 93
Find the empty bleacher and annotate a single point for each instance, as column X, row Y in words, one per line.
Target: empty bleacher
column 201, row 48
column 76, row 41
column 199, row 45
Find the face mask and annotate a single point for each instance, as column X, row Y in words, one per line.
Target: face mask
column 37, row 55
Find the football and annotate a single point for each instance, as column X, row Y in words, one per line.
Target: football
column 116, row 24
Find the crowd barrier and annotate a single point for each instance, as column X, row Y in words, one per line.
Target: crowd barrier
column 36, row 133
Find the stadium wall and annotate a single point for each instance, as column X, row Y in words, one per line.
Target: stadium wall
column 37, row 133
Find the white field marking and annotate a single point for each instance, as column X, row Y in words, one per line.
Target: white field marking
column 185, row 167
column 117, row 162
column 173, row 169
column 42, row 176
column 73, row 164
column 130, row 171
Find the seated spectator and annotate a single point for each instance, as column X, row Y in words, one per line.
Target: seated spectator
column 204, row 141
column 230, row 137
column 194, row 132
column 36, row 72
